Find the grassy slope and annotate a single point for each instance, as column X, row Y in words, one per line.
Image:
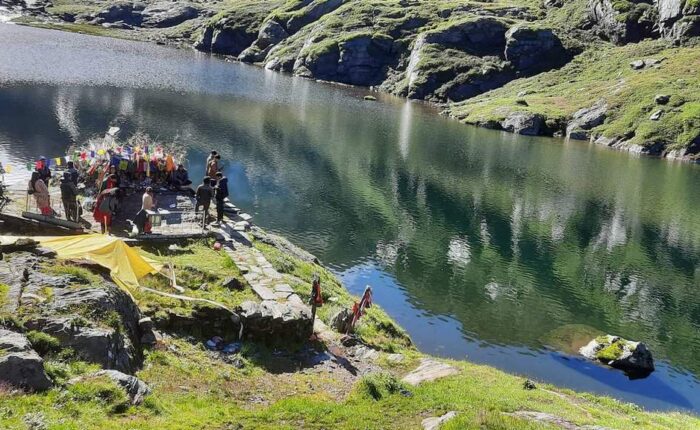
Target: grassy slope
column 605, row 74
column 192, row 389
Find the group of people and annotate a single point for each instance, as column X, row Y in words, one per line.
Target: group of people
column 115, row 173
column 214, row 186
column 38, row 188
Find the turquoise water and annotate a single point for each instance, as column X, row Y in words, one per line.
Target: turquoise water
column 483, row 245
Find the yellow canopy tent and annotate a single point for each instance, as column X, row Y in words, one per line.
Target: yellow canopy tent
column 126, row 265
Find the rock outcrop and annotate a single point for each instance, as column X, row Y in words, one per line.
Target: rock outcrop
column 624, row 21
column 20, row 365
column 631, row 357
column 532, row 50
column 527, row 123
column 679, row 19
column 167, row 14
column 361, row 59
column 586, row 119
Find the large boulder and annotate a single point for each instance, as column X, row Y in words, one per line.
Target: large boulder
column 167, row 14
column 624, row 21
column 361, row 59
column 104, row 346
column 20, row 365
column 532, row 50
column 634, row 358
column 586, row 119
column 135, row 388
column 270, row 34
column 526, row 123
column 100, row 323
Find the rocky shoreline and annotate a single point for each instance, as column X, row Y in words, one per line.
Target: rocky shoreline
column 527, row 69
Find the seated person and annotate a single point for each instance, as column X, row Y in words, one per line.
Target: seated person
column 181, row 177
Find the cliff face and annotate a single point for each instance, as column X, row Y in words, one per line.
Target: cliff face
column 458, row 53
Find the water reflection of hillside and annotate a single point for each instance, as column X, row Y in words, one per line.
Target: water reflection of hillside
column 510, row 236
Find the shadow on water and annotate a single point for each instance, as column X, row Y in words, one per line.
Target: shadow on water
column 480, row 243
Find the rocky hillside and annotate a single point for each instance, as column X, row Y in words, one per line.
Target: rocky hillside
column 621, row 73
column 77, row 352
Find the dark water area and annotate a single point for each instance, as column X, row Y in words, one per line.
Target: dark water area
column 501, row 249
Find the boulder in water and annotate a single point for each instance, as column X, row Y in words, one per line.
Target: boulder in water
column 634, row 358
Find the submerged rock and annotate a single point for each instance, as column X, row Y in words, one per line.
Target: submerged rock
column 631, row 357
column 20, row 365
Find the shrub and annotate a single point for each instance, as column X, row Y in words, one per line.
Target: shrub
column 379, row 385
column 43, row 343
column 100, row 389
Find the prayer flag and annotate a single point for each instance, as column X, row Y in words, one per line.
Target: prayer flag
column 92, row 154
column 8, row 169
column 29, row 166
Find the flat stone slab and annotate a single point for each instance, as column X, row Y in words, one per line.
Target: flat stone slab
column 272, row 273
column 434, row 423
column 283, row 288
column 263, row 292
column 429, row 370
column 295, row 300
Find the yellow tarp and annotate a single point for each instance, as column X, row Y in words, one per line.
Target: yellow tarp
column 126, row 265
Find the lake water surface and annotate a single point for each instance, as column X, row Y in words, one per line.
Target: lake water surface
column 484, row 245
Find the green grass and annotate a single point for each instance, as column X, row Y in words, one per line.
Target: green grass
column 191, row 388
column 605, row 74
column 4, row 290
column 43, row 343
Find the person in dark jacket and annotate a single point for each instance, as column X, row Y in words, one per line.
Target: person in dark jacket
column 69, row 196
column 220, row 194
column 204, row 195
column 44, row 171
column 180, row 177
column 73, row 172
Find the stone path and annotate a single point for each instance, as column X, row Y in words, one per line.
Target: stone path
column 267, row 282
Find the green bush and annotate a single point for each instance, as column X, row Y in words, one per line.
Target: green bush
column 379, row 385
column 43, row 343
column 100, row 389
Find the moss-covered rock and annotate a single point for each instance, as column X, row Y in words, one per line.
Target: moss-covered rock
column 632, row 357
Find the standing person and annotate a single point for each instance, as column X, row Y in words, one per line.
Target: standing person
column 69, row 195
column 73, row 172
column 220, row 193
column 211, row 156
column 148, row 202
column 105, row 207
column 204, row 195
column 44, row 171
column 38, row 189
column 213, row 166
